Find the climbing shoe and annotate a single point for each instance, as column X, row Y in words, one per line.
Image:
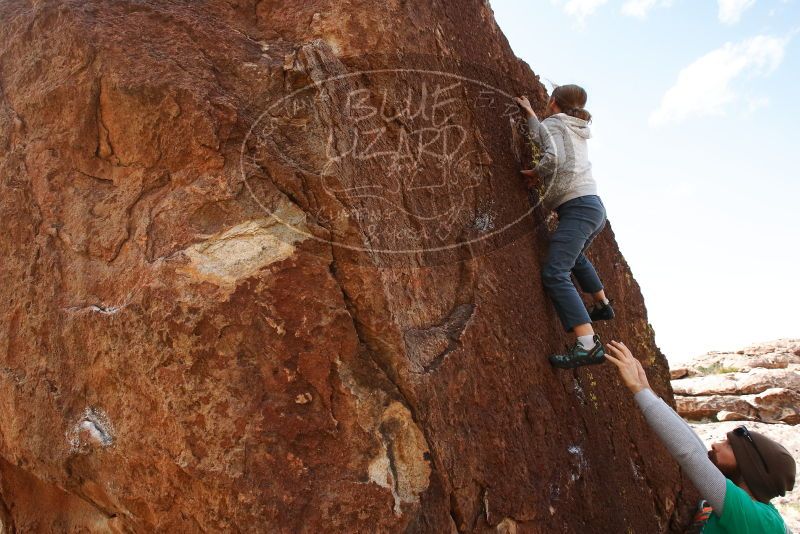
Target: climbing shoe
column 601, row 312
column 578, row 356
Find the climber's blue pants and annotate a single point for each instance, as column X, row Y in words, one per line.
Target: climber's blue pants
column 579, row 221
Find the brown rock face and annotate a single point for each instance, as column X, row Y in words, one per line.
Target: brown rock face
column 269, row 267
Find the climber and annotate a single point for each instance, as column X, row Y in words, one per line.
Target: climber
column 738, row 477
column 571, row 190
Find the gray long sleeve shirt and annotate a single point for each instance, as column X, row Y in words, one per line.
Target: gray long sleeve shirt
column 564, row 166
column 685, row 446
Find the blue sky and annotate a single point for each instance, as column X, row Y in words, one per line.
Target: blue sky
column 695, row 149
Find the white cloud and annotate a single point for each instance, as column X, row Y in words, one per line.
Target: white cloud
column 640, row 8
column 704, row 87
column 730, row 11
column 754, row 103
column 580, row 9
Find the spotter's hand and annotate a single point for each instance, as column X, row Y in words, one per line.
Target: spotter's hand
column 630, row 369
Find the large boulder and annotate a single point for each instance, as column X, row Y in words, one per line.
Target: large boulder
column 777, row 405
column 269, row 267
column 754, row 381
column 761, row 382
column 708, row 407
column 774, row 405
column 778, row 354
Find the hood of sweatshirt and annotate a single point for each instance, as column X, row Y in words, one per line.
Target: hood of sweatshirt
column 578, row 126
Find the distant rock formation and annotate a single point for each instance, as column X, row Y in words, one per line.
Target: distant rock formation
column 759, row 383
column 269, row 266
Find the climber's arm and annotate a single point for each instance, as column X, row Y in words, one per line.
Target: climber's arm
column 535, row 128
column 533, row 120
column 678, row 437
column 550, row 140
column 553, row 152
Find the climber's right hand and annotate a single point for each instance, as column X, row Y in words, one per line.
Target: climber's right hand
column 630, row 369
column 532, row 180
column 524, row 103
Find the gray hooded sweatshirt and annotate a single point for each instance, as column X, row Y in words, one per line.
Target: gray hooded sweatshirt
column 565, row 166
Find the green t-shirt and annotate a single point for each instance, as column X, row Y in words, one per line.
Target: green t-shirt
column 743, row 515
